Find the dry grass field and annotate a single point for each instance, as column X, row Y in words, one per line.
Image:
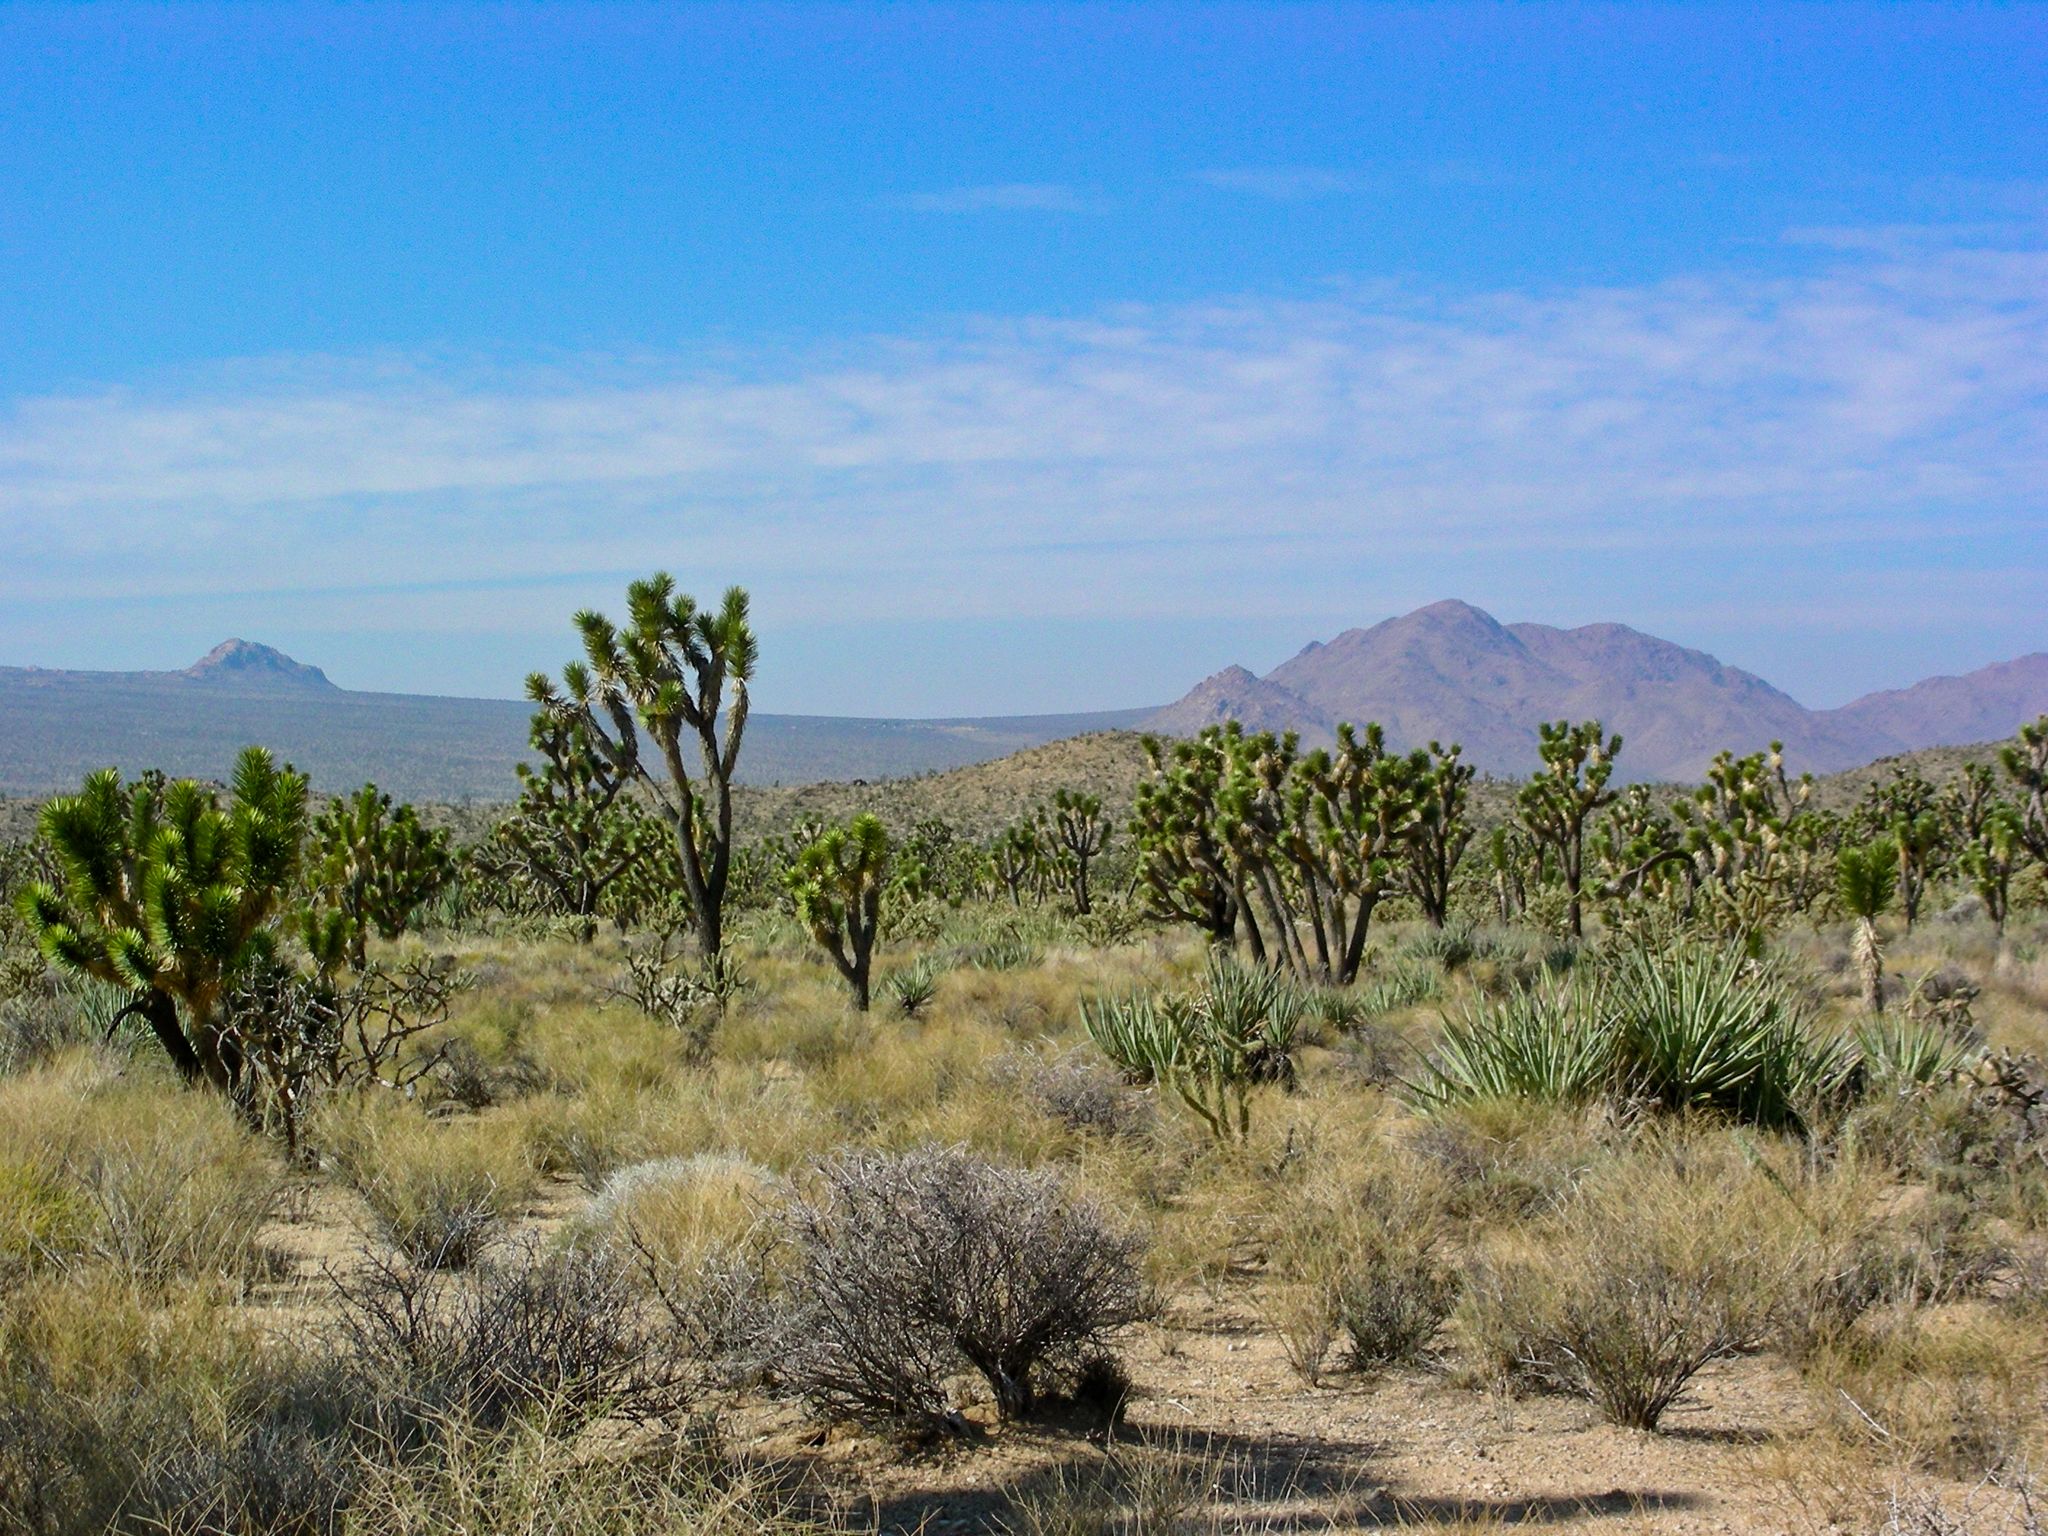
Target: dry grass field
column 532, row 1295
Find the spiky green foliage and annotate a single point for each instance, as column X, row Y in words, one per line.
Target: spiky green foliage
column 1347, row 817
column 1016, row 858
column 1866, row 878
column 1440, row 831
column 170, row 894
column 913, row 987
column 678, row 675
column 371, row 867
column 1755, row 860
column 1080, row 830
column 1184, row 869
column 2025, row 760
column 1993, row 857
column 1896, row 1056
column 1696, row 1028
column 1238, row 832
column 836, row 885
column 1708, row 1027
column 578, row 844
column 1553, row 1043
column 1560, row 800
column 1211, row 1047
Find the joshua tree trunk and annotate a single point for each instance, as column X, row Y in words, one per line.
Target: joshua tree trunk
column 1869, row 952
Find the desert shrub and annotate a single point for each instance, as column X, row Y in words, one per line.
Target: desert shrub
column 1956, row 1398
column 1511, row 1158
column 561, row 1331
column 48, row 1017
column 1077, row 1092
column 1363, row 1261
column 911, row 1268
column 701, row 1231
column 438, row 1190
column 680, row 1214
column 1655, row 1270
column 529, row 1480
column 131, row 1410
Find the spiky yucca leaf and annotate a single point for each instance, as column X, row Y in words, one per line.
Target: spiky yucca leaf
column 1554, row 1043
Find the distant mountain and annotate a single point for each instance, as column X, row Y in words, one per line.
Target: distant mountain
column 1451, row 672
column 1954, row 711
column 57, row 726
column 245, row 664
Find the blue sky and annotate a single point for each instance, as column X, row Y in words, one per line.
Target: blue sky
column 1021, row 358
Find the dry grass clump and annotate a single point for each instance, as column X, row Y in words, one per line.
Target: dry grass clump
column 439, row 1190
column 534, row 1480
column 1950, row 1393
column 124, row 1171
column 1659, row 1266
column 128, row 1410
column 1363, row 1259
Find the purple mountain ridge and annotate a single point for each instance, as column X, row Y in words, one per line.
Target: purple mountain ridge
column 1451, row 672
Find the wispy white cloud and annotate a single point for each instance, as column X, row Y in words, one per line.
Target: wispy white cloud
column 1733, row 432
column 1279, row 183
column 1007, row 197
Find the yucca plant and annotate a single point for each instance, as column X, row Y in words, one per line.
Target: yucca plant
column 1210, row 1048
column 1133, row 1032
column 1702, row 1027
column 1894, row 1056
column 913, row 987
column 1554, row 1043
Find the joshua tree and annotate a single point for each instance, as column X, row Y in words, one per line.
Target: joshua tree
column 836, row 884
column 1513, row 856
column 666, row 673
column 1865, row 878
column 1440, row 832
column 1080, row 829
column 166, row 892
column 1015, row 857
column 2025, row 761
column 373, row 866
column 576, row 832
column 1991, row 860
column 1561, row 798
column 1916, row 841
column 1347, row 816
column 1183, row 866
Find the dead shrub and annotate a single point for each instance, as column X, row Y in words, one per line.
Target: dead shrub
column 911, row 1268
column 1077, row 1091
column 562, row 1331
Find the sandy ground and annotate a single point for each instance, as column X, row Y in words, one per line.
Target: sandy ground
column 1214, row 1397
